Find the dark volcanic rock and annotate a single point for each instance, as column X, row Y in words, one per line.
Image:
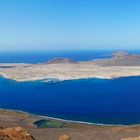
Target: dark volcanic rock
column 120, row 59
column 61, row 60
column 16, row 133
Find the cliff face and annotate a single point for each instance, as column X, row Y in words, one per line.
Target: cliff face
column 15, row 133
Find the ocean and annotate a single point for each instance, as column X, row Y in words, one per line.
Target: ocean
column 44, row 56
column 98, row 101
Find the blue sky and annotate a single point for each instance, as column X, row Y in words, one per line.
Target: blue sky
column 69, row 24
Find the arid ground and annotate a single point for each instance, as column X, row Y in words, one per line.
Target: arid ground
column 74, row 130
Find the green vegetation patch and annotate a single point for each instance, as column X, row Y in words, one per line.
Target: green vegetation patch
column 49, row 124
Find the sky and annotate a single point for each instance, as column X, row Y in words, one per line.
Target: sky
column 69, row 24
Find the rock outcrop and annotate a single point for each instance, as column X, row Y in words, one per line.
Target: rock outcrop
column 15, row 133
column 64, row 137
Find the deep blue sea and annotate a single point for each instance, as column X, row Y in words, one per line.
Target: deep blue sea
column 44, row 56
column 101, row 101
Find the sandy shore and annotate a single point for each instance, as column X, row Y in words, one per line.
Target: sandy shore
column 70, row 71
column 74, row 130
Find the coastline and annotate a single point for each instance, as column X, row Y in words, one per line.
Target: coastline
column 62, row 80
column 40, row 117
column 58, row 79
column 69, row 119
column 66, row 71
column 10, row 119
column 58, row 119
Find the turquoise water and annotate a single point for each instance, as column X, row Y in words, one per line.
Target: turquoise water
column 93, row 100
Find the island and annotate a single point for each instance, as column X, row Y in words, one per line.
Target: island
column 121, row 64
column 19, row 124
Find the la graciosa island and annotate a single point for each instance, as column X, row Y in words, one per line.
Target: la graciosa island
column 100, row 91
column 122, row 64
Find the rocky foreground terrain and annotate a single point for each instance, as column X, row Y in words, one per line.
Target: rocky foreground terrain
column 21, row 126
column 15, row 133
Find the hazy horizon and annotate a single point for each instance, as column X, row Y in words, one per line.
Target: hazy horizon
column 71, row 50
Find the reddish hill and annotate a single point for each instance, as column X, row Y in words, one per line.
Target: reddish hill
column 120, row 59
column 15, row 133
column 61, row 60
